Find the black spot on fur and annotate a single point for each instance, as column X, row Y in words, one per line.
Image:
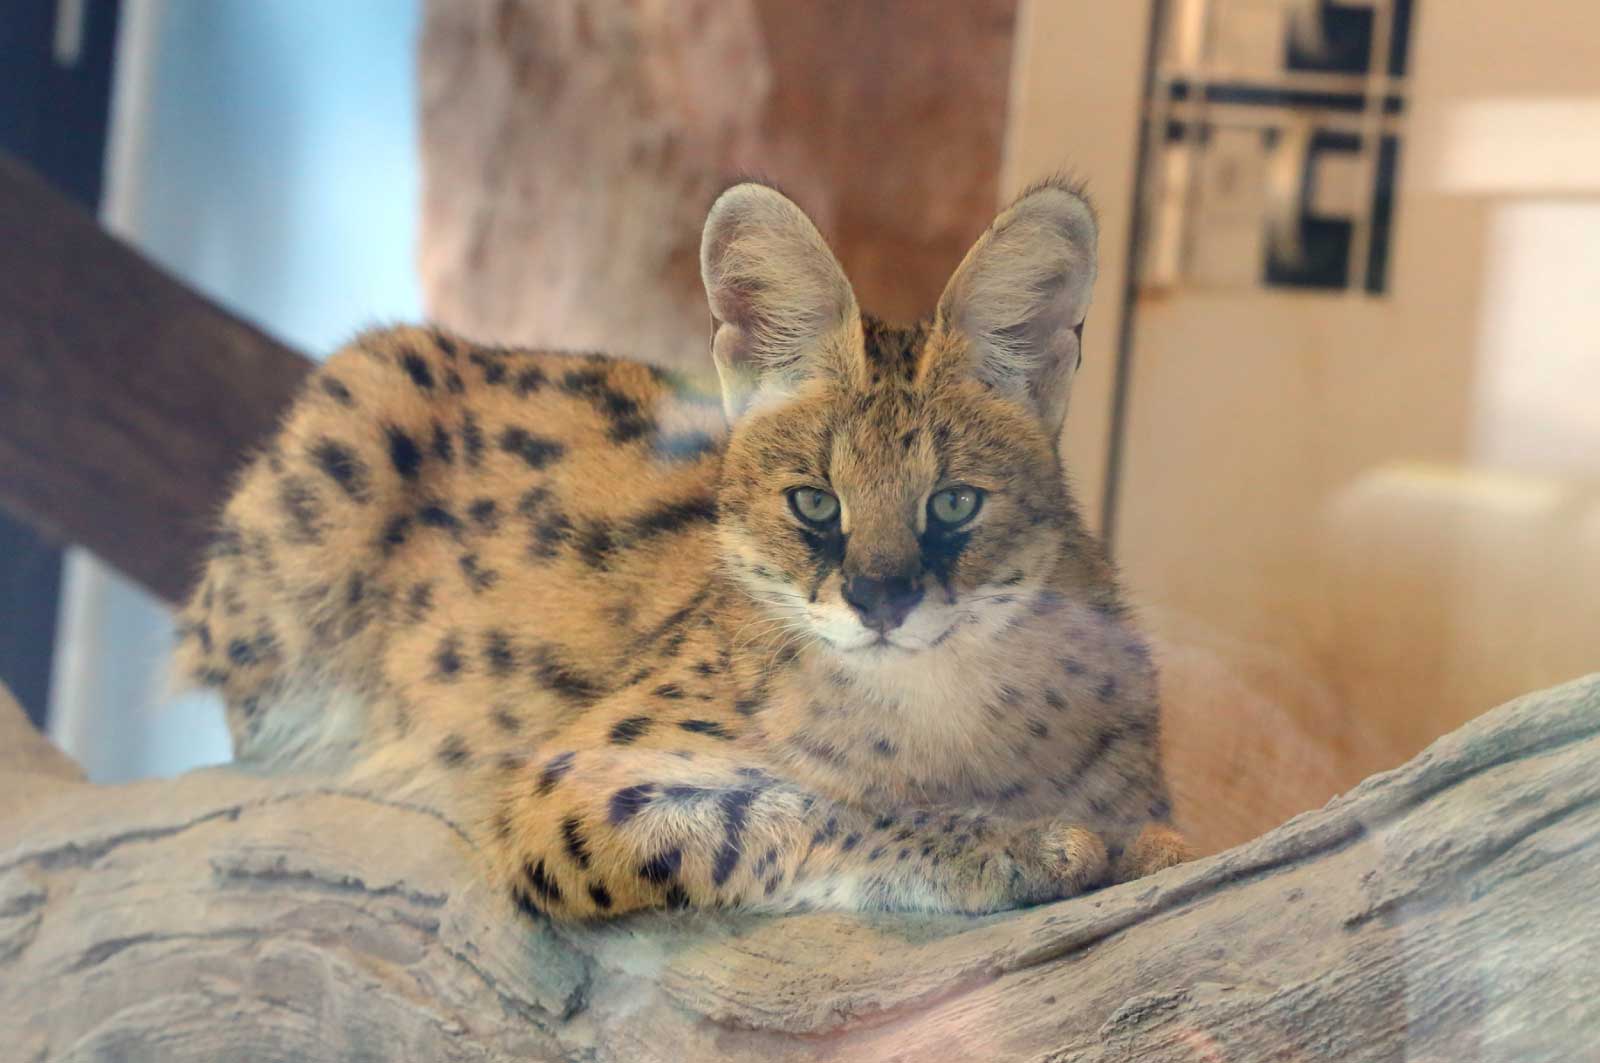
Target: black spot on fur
column 447, row 661
column 600, row 896
column 303, row 509
column 404, row 454
column 529, row 380
column 883, row 747
column 478, row 578
column 554, row 770
column 543, row 884
column 629, row 802
column 1038, row 729
column 661, row 868
column 394, row 534
column 417, row 370
column 600, row 540
column 420, row 600
column 709, row 728
column 625, row 731
column 536, row 451
column 555, row 675
column 472, row 439
column 625, row 420
column 242, row 653
column 577, row 845
column 1054, row 699
column 494, row 368
column 671, row 691
column 437, row 515
column 498, row 655
column 336, row 390
column 453, row 752
column 735, row 810
column 504, row 719
column 484, row 513
column 453, row 383
column 444, row 447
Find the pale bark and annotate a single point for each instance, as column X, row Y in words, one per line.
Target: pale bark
column 1444, row 911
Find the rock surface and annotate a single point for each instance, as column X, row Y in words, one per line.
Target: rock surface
column 1443, row 911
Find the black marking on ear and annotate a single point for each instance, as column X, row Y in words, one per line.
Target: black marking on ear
column 336, row 390
column 553, row 772
column 452, row 752
column 624, row 732
column 577, row 845
column 536, row 451
column 417, row 369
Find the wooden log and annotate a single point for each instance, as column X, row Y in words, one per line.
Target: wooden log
column 126, row 400
column 1442, row 911
column 571, row 148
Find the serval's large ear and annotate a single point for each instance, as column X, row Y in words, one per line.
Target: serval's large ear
column 781, row 307
column 1013, row 311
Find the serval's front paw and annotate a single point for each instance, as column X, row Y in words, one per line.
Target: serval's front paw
column 1158, row 847
column 1074, row 857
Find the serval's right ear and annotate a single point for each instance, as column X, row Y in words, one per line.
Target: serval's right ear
column 782, row 309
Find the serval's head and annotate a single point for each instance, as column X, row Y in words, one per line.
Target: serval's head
column 889, row 491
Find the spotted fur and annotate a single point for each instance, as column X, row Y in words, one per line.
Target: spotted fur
column 573, row 590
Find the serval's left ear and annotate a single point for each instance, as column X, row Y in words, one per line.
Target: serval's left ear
column 1013, row 311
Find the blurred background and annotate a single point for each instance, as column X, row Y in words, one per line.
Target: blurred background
column 1340, row 412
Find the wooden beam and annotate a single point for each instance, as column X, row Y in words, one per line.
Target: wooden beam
column 126, row 399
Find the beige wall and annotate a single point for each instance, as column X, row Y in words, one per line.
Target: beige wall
column 1374, row 516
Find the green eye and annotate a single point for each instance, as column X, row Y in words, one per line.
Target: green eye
column 814, row 506
column 955, row 505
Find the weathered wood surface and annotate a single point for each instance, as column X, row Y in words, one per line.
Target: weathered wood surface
column 126, row 400
column 1444, row 911
column 571, row 148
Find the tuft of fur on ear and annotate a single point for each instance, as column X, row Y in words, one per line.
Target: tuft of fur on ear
column 1020, row 297
column 777, row 293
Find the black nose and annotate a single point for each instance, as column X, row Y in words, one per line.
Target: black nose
column 882, row 604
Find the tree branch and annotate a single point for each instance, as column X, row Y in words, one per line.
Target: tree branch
column 126, row 400
column 1444, row 910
